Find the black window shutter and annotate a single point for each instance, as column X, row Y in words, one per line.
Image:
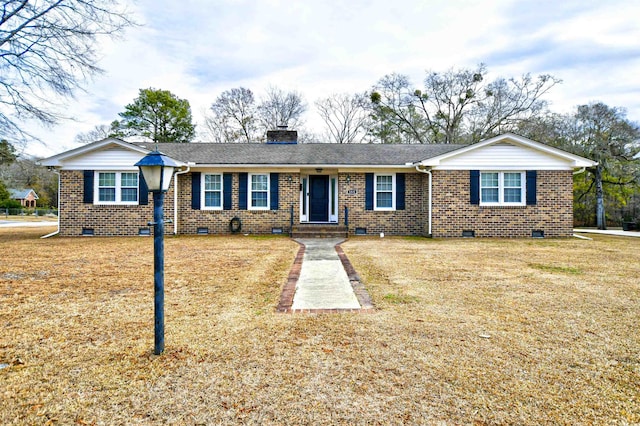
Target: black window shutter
column 368, row 191
column 227, row 182
column 143, row 191
column 242, row 191
column 474, row 183
column 88, row 186
column 400, row 190
column 195, row 190
column 273, row 196
column 532, row 178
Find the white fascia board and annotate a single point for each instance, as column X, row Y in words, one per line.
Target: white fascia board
column 58, row 159
column 501, row 168
column 300, row 166
column 575, row 161
column 100, row 168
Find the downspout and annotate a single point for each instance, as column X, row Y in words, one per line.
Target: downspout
column 428, row 171
column 577, row 172
column 175, row 198
column 58, row 230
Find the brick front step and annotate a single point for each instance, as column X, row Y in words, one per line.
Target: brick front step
column 319, row 231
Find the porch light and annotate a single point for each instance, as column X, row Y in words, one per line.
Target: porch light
column 157, row 170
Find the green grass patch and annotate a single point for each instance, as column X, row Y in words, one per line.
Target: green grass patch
column 399, row 299
column 554, row 268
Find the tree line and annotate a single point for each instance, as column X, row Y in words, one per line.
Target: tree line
column 19, row 172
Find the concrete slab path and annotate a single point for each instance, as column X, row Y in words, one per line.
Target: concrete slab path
column 322, row 280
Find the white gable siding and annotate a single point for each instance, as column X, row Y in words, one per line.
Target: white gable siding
column 504, row 156
column 109, row 158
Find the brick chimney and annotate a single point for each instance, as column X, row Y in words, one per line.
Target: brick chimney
column 282, row 136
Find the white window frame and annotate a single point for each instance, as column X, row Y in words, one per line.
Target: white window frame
column 501, row 188
column 118, row 188
column 375, row 192
column 203, row 192
column 250, row 191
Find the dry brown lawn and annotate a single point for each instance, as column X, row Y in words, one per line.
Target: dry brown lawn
column 29, row 218
column 465, row 332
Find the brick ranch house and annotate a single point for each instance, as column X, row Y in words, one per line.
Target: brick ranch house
column 506, row 186
column 27, row 197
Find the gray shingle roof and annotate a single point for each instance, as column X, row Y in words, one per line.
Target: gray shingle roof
column 21, row 194
column 301, row 154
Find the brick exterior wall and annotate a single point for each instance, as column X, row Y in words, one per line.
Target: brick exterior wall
column 105, row 220
column 253, row 221
column 411, row 221
column 453, row 212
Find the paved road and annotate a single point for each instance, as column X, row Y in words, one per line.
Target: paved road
column 19, row 224
column 617, row 232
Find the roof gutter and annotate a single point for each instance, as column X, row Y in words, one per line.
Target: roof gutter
column 298, row 166
column 57, row 231
column 428, row 172
column 175, row 197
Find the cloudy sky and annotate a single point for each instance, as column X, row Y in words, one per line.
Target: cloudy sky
column 200, row 48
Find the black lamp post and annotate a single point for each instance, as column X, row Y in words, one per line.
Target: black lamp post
column 157, row 170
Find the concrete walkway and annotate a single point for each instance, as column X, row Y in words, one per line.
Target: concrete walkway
column 322, row 280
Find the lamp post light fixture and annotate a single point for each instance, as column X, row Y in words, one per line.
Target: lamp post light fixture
column 157, row 170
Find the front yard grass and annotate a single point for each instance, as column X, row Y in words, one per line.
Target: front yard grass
column 465, row 332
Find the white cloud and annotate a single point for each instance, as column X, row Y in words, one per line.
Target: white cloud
column 199, row 48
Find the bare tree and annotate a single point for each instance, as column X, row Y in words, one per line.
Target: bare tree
column 346, row 117
column 236, row 116
column 394, row 111
column 447, row 97
column 608, row 137
column 25, row 172
column 233, row 117
column 458, row 105
column 280, row 108
column 603, row 134
column 47, row 50
column 99, row 132
column 507, row 103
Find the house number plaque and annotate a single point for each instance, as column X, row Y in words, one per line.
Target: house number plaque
column 352, row 191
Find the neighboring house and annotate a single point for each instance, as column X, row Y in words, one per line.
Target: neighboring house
column 27, row 197
column 506, row 186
